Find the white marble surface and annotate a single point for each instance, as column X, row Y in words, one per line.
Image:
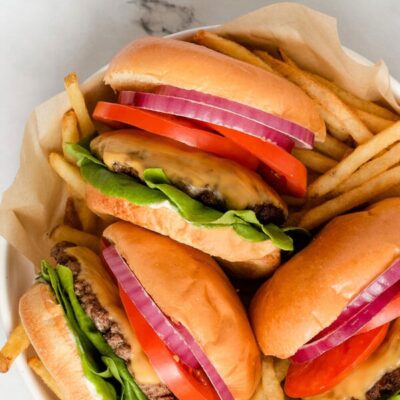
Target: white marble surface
column 42, row 40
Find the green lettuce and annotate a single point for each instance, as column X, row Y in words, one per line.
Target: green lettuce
column 157, row 189
column 101, row 366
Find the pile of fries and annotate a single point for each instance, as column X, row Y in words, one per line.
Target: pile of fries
column 358, row 163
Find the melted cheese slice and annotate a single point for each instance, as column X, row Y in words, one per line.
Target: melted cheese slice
column 385, row 359
column 93, row 272
column 187, row 168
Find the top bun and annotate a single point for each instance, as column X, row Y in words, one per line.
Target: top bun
column 149, row 62
column 189, row 287
column 310, row 291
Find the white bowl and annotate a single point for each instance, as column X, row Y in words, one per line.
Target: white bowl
column 17, row 273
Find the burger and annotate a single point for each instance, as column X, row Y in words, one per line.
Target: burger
column 333, row 310
column 207, row 153
column 153, row 319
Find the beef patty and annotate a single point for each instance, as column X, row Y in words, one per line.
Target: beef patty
column 385, row 387
column 102, row 319
column 266, row 213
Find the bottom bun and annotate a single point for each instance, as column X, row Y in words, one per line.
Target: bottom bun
column 46, row 327
column 222, row 242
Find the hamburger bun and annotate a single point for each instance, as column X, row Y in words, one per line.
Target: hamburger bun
column 150, row 62
column 243, row 257
column 45, row 324
column 310, row 291
column 189, row 287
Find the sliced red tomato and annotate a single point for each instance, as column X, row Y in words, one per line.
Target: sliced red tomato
column 325, row 372
column 184, row 384
column 179, row 129
column 290, row 173
column 390, row 312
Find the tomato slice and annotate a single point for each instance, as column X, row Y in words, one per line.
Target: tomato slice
column 323, row 373
column 290, row 173
column 185, row 384
column 179, row 129
column 390, row 312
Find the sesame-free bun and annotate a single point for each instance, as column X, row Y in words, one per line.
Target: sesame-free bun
column 45, row 324
column 189, row 287
column 241, row 256
column 150, row 62
column 311, row 290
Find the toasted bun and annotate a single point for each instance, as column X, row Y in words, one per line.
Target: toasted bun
column 47, row 329
column 310, row 291
column 150, row 62
column 243, row 257
column 190, row 288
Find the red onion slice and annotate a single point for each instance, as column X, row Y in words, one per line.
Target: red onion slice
column 177, row 338
column 206, row 113
column 355, row 316
column 145, row 304
column 302, row 136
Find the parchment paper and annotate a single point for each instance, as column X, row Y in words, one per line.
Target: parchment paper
column 35, row 202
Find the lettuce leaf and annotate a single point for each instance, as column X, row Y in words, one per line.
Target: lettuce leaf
column 101, row 366
column 157, row 188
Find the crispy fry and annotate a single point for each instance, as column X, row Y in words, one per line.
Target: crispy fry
column 354, row 198
column 271, row 384
column 355, row 101
column 78, row 104
column 332, row 147
column 334, row 126
column 281, row 367
column 87, row 219
column 229, row 48
column 69, row 132
column 17, row 343
column 370, row 170
column 322, row 95
column 358, row 157
column 392, row 192
column 69, row 173
column 374, row 123
column 66, row 233
column 41, row 371
column 314, row 161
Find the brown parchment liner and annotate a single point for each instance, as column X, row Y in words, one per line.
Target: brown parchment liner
column 35, row 202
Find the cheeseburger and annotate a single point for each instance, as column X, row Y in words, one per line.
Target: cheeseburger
column 333, row 310
column 209, row 154
column 165, row 324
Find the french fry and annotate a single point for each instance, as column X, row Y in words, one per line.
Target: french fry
column 354, row 198
column 69, row 132
column 259, row 393
column 40, row 370
column 334, row 126
column 332, row 147
column 78, row 104
column 314, row 161
column 66, row 233
column 373, row 122
column 271, row 384
column 370, row 170
column 17, row 343
column 392, row 192
column 363, row 153
column 69, row 173
column 320, row 93
column 294, row 201
column 87, row 218
column 281, row 368
column 355, row 101
column 229, row 48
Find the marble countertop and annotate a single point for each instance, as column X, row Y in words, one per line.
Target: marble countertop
column 43, row 40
